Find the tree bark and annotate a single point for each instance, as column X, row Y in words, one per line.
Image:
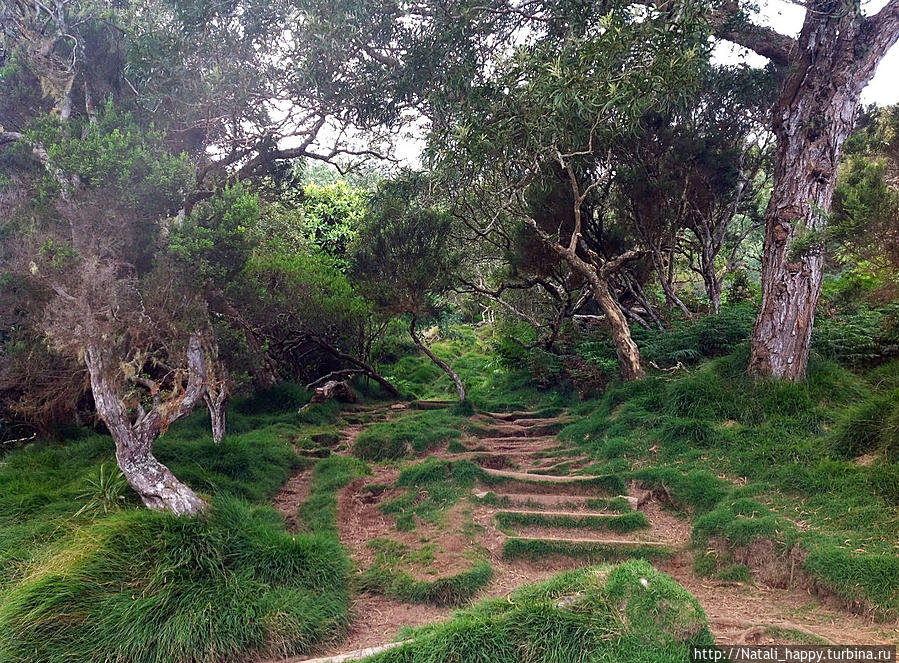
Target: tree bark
column 629, row 364
column 835, row 57
column 460, row 388
column 218, row 387
column 627, row 351
column 157, row 487
column 217, row 404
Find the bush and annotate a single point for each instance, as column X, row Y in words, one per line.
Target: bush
column 867, row 427
column 147, row 587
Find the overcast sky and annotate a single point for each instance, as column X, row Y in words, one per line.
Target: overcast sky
column 787, row 17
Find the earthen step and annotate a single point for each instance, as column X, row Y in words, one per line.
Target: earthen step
column 566, row 514
column 549, row 523
column 553, row 501
column 517, row 443
column 528, row 482
column 513, row 416
column 431, row 405
column 590, row 550
column 544, row 478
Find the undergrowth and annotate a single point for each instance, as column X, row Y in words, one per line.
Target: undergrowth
column 630, row 613
column 387, row 576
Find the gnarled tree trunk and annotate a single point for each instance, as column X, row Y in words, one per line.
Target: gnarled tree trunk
column 218, row 388
column 157, row 487
column 460, row 388
column 625, row 348
column 629, row 364
column 835, row 57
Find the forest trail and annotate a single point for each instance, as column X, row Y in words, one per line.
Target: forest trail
column 534, row 516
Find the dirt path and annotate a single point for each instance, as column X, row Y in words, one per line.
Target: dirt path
column 534, row 486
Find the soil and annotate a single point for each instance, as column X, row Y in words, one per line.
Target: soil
column 739, row 613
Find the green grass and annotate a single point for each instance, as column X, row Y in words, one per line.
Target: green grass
column 630, row 613
column 82, row 583
column 534, row 550
column 624, row 523
column 408, row 434
column 432, row 487
column 746, row 459
column 319, row 512
column 386, row 576
column 147, row 587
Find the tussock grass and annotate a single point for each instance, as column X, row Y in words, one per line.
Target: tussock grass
column 592, row 552
column 386, row 576
column 625, row 614
column 412, row 433
column 143, row 586
column 624, row 523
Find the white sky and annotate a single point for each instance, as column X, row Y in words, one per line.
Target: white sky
column 786, row 17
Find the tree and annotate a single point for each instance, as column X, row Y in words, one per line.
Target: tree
column 402, row 257
column 865, row 223
column 552, row 117
column 825, row 71
column 690, row 182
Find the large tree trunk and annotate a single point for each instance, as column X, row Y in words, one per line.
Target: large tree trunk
column 157, row 487
column 460, row 388
column 837, row 53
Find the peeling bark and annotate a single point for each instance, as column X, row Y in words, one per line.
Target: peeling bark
column 836, row 55
column 157, row 487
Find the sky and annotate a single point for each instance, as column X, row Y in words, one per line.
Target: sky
column 786, row 17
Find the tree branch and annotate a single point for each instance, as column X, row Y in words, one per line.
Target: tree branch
column 730, row 23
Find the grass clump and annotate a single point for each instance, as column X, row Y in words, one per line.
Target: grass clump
column 740, row 521
column 147, row 587
column 386, row 576
column 627, row 614
column 592, row 552
column 319, row 512
column 627, row 522
column 413, row 433
column 862, row 580
column 431, row 488
column 698, row 490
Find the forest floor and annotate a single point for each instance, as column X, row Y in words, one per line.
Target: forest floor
column 530, row 512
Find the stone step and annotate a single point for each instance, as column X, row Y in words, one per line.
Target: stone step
column 588, row 550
